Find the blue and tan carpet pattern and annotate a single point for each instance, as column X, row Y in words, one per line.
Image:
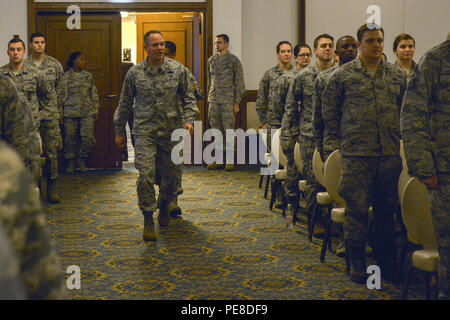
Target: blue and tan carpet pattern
column 227, row 245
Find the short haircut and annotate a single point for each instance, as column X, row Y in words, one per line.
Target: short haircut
column 224, row 37
column 72, row 58
column 299, row 47
column 149, row 33
column 16, row 39
column 325, row 36
column 281, row 43
column 343, row 37
column 37, row 35
column 401, row 37
column 172, row 47
column 364, row 28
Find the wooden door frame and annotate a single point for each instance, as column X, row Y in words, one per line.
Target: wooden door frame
column 206, row 8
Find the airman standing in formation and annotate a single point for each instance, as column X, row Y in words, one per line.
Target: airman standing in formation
column 298, row 117
column 51, row 114
column 226, row 89
column 80, row 110
column 425, row 119
column 361, row 108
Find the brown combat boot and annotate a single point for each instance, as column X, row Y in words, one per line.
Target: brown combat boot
column 149, row 227
column 358, row 272
column 174, row 208
column 52, row 192
column 163, row 217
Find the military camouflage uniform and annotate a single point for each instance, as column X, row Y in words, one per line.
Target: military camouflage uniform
column 299, row 111
column 425, row 122
column 35, row 91
column 277, row 103
column 319, row 87
column 225, row 89
column 50, row 115
column 361, row 119
column 24, row 225
column 11, row 287
column 409, row 74
column 157, row 113
column 81, row 105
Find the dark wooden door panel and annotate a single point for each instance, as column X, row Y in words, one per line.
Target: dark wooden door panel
column 99, row 40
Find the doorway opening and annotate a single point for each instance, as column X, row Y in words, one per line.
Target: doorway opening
column 182, row 29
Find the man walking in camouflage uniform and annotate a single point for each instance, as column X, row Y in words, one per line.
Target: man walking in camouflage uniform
column 298, row 120
column 156, row 84
column 225, row 91
column 424, row 120
column 51, row 115
column 269, row 113
column 361, row 105
column 35, row 92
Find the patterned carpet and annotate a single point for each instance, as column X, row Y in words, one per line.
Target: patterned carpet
column 227, row 245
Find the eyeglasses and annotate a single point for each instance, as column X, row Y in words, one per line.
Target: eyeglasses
column 305, row 55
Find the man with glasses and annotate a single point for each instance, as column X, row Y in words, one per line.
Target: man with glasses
column 226, row 89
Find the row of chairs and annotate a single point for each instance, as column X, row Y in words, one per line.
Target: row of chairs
column 414, row 205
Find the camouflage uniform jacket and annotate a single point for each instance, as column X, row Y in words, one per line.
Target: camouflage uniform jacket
column 425, row 117
column 157, row 110
column 299, row 103
column 361, row 113
column 35, row 90
column 415, row 69
column 225, row 79
column 24, row 225
column 82, row 98
column 197, row 91
column 319, row 87
column 55, row 75
column 16, row 124
column 265, row 106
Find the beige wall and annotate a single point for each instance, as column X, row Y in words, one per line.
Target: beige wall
column 427, row 21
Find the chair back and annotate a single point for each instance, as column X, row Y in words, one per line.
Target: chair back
column 318, row 165
column 263, row 134
column 277, row 152
column 402, row 181
column 298, row 157
column 332, row 174
column 403, row 156
column 416, row 213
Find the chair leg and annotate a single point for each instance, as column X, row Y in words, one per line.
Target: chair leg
column 283, row 197
column 427, row 277
column 274, row 189
column 261, row 178
column 326, row 239
column 436, row 286
column 266, row 190
column 313, row 220
column 347, row 259
column 406, row 283
column 401, row 262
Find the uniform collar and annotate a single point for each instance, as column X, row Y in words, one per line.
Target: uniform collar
column 165, row 67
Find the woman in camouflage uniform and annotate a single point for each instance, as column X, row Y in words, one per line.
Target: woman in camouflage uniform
column 80, row 110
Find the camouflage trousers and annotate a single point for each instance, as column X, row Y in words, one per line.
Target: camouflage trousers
column 221, row 117
column 154, row 155
column 367, row 181
column 440, row 211
column 292, row 174
column 307, row 147
column 51, row 143
column 87, row 139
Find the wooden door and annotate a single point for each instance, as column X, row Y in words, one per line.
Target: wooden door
column 99, row 39
column 176, row 27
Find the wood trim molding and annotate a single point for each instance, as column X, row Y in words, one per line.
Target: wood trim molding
column 301, row 21
column 31, row 15
column 134, row 6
